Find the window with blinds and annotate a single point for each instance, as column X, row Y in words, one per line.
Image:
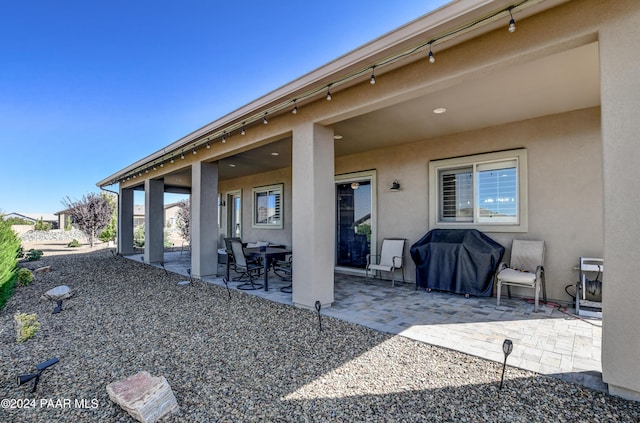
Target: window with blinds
column 486, row 189
column 267, row 207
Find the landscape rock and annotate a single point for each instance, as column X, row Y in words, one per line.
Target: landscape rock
column 146, row 398
column 44, row 269
column 61, row 292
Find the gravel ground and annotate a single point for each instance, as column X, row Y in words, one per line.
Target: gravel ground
column 248, row 359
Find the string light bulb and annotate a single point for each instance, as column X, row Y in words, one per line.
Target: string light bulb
column 171, row 159
column 208, row 145
column 194, row 150
column 328, row 92
column 182, row 156
column 372, row 80
column 432, row 58
column 295, row 107
column 224, row 138
column 512, row 22
column 242, row 132
column 264, row 118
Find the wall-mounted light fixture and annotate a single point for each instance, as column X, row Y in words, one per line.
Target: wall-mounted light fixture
column 395, row 186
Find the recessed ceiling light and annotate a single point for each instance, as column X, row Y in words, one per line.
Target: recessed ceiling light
column 275, row 153
column 337, row 137
column 232, row 165
column 439, row 110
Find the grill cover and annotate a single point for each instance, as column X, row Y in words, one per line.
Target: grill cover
column 463, row 261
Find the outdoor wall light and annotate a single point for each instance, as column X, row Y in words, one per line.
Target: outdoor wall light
column 395, row 186
column 21, row 379
column 507, row 347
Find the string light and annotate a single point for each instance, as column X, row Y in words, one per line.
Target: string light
column 512, row 22
column 208, row 146
column 224, row 138
column 182, row 156
column 372, row 80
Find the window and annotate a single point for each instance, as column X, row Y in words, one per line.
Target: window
column 267, row 207
column 480, row 191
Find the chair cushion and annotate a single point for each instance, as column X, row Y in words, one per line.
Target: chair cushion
column 516, row 276
column 380, row 267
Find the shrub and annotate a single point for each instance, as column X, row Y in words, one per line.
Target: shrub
column 27, row 326
column 41, row 225
column 25, row 277
column 34, row 255
column 9, row 249
column 73, row 243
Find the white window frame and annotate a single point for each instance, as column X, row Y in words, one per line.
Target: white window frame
column 262, row 190
column 477, row 162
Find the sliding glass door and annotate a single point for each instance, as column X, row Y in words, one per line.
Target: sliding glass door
column 355, row 219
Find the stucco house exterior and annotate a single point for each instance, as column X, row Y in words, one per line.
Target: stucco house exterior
column 550, row 109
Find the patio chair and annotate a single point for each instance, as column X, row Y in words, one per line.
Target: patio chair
column 525, row 270
column 244, row 267
column 283, row 269
column 389, row 260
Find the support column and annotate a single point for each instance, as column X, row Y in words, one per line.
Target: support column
column 620, row 93
column 125, row 221
column 204, row 219
column 153, row 220
column 313, row 215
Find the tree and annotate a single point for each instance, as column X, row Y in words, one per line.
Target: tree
column 183, row 219
column 110, row 232
column 9, row 247
column 91, row 214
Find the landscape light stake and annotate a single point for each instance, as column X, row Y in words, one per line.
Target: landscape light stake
column 507, row 347
column 41, row 367
column 190, row 278
column 165, row 270
column 226, row 283
column 318, row 307
column 58, row 308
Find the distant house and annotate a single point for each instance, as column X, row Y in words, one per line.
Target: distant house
column 34, row 217
column 170, row 215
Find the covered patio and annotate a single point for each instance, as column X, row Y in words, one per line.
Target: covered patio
column 552, row 342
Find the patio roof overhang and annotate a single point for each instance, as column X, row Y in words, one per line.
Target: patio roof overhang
column 441, row 29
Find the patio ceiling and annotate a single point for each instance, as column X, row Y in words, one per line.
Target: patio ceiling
column 558, row 83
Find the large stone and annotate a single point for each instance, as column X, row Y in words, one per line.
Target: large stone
column 61, row 292
column 146, row 398
column 44, row 269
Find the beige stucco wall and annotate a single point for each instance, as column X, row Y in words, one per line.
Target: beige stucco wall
column 620, row 89
column 565, row 186
column 246, row 184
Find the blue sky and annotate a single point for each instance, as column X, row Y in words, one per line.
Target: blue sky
column 88, row 87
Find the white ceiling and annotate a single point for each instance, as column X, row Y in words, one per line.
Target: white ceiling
column 562, row 82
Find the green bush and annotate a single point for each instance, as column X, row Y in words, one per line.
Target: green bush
column 34, row 255
column 27, row 326
column 9, row 248
column 138, row 236
column 25, row 277
column 74, row 243
column 41, row 225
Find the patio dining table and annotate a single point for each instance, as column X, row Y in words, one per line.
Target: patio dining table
column 266, row 254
